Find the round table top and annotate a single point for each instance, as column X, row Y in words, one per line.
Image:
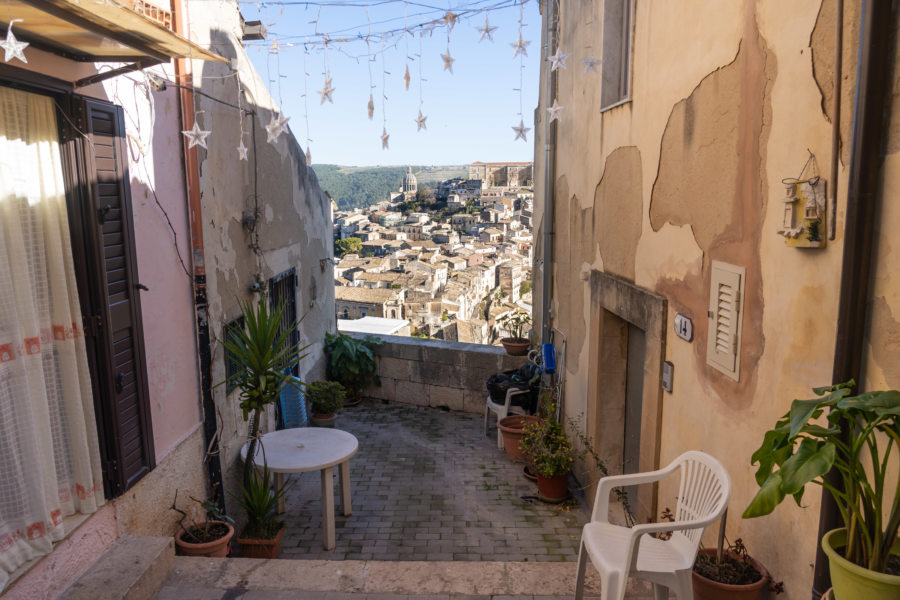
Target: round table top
column 303, row 449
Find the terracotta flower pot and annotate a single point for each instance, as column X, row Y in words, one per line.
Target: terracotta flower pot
column 254, row 548
column 553, row 489
column 511, row 429
column 323, row 420
column 707, row 589
column 216, row 548
column 515, row 346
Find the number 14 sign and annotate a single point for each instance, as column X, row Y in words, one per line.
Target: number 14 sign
column 684, row 327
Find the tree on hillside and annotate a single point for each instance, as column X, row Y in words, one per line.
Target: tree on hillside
column 350, row 245
column 425, row 194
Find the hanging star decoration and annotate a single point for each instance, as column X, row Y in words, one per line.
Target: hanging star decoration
column 521, row 46
column 487, row 31
column 448, row 61
column 384, row 138
column 327, row 90
column 371, row 107
column 554, row 111
column 275, row 47
column 276, row 127
column 13, row 48
column 450, row 20
column 557, row 60
column 406, row 77
column 590, row 64
column 521, row 131
column 242, row 150
column 308, row 156
column 420, row 121
column 196, row 136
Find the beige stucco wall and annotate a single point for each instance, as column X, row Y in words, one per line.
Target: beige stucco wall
column 689, row 171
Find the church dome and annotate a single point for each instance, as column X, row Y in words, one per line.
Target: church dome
column 409, row 181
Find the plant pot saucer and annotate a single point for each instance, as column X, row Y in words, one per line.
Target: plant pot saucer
column 528, row 473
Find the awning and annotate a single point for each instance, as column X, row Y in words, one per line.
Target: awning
column 133, row 31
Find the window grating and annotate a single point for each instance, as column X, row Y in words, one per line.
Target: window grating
column 283, row 291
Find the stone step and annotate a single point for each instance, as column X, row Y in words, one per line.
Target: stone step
column 217, row 578
column 133, row 568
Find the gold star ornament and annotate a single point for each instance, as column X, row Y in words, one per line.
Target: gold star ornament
column 420, row 121
column 448, row 61
column 384, row 139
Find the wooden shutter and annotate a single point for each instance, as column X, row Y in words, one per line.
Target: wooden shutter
column 121, row 382
column 726, row 297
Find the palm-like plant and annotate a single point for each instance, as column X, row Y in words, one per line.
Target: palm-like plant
column 804, row 451
column 263, row 354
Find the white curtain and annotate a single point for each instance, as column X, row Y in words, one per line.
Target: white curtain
column 49, row 453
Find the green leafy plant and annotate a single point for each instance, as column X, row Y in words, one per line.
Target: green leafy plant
column 326, row 397
column 732, row 566
column 545, row 444
column 264, row 355
column 352, row 362
column 259, row 501
column 866, row 425
column 516, row 325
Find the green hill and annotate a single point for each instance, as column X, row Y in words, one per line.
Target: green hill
column 354, row 187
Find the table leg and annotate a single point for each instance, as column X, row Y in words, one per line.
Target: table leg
column 279, row 484
column 328, row 508
column 346, row 502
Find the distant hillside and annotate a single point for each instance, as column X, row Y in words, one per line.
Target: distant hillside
column 354, row 187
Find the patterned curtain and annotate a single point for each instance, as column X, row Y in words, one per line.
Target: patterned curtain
column 49, row 452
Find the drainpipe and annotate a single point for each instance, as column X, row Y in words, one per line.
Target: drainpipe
column 549, row 175
column 836, row 115
column 866, row 153
column 201, row 308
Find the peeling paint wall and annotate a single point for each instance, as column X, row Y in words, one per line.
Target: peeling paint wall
column 687, row 172
column 293, row 216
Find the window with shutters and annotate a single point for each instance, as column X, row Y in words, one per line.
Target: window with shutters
column 726, row 299
column 618, row 21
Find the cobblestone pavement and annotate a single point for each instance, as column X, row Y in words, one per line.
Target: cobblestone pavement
column 427, row 484
column 184, row 593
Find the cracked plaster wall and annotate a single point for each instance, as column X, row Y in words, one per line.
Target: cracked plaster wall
column 723, row 108
column 293, row 218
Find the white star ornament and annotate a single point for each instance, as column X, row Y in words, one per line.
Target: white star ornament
column 557, row 60
column 196, row 136
column 521, row 131
column 420, row 121
column 13, row 48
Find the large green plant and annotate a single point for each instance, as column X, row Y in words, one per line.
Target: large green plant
column 545, row 444
column 867, row 425
column 263, row 353
column 352, row 363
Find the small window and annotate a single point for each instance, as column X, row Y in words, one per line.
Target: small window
column 726, row 300
column 231, row 365
column 618, row 21
column 346, row 313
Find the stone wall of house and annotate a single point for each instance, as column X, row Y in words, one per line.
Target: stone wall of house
column 438, row 373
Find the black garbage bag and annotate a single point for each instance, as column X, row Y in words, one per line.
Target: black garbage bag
column 526, row 377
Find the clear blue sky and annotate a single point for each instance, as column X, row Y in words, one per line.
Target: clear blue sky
column 470, row 112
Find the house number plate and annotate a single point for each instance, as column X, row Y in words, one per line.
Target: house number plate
column 684, row 327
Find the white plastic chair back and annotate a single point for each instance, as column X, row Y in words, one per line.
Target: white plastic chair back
column 702, row 494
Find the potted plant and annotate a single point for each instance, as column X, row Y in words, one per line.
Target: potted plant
column 860, row 439
column 326, row 397
column 264, row 356
column 515, row 324
column 261, row 537
column 352, row 363
column 550, row 452
column 209, row 537
column 729, row 573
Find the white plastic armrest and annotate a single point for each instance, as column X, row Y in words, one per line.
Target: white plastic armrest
column 513, row 392
column 606, row 485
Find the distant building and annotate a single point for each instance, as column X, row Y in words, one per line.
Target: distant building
column 359, row 302
column 510, row 277
column 516, row 174
column 410, row 184
column 374, row 326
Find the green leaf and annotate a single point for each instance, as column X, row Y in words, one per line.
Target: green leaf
column 811, row 460
column 802, row 411
column 767, row 498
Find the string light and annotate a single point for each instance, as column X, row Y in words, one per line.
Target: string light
column 13, row 48
column 520, row 130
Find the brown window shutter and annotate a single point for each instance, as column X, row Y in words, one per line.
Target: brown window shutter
column 109, row 235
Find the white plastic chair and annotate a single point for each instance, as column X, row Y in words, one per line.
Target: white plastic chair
column 619, row 552
column 503, row 410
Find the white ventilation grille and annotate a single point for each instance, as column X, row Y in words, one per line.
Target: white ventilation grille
column 725, row 317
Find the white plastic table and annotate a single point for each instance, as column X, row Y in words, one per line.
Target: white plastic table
column 310, row 449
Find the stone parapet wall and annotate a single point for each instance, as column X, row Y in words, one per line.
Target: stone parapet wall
column 438, row 373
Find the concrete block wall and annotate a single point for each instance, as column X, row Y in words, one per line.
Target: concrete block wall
column 438, row 373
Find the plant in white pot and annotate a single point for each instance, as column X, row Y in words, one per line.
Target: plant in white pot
column 860, row 439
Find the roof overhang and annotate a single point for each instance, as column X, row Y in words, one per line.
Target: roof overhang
column 129, row 31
